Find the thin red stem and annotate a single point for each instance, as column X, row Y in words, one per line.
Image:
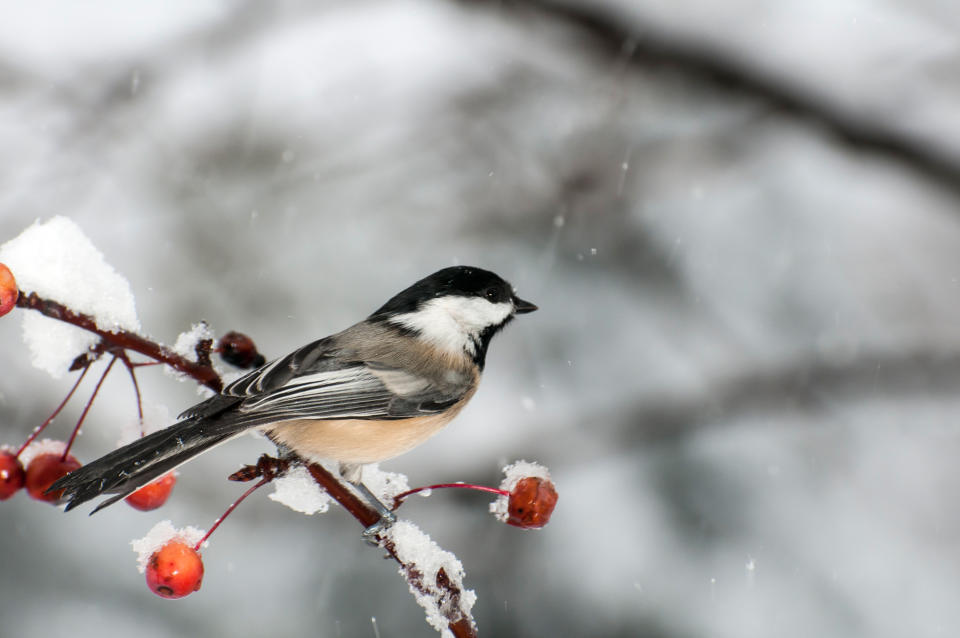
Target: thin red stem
column 36, row 432
column 399, row 498
column 233, row 506
column 76, row 429
column 136, row 386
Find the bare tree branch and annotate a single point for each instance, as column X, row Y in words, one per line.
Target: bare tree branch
column 795, row 386
column 629, row 40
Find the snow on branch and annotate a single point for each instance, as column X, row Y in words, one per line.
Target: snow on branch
column 125, row 340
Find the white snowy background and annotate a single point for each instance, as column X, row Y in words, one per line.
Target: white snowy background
column 741, row 222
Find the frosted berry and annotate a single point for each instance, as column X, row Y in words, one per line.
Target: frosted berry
column 531, row 502
column 43, row 470
column 12, row 475
column 152, row 495
column 238, row 349
column 175, row 570
column 8, row 290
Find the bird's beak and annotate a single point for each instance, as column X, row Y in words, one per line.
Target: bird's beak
column 520, row 306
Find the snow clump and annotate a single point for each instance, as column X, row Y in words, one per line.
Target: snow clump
column 55, row 260
column 297, row 490
column 162, row 533
column 500, row 508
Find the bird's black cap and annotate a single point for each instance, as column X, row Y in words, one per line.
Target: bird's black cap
column 464, row 281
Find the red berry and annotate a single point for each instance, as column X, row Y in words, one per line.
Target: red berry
column 175, row 570
column 8, row 290
column 531, row 502
column 12, row 475
column 43, row 470
column 152, row 495
column 238, row 349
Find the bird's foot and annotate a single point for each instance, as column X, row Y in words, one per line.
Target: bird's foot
column 371, row 535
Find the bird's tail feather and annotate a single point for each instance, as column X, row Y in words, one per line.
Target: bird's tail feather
column 130, row 467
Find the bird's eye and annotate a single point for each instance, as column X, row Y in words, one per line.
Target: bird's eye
column 490, row 293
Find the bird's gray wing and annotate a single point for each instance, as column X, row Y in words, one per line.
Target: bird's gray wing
column 320, row 381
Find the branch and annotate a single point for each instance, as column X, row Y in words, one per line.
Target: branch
column 445, row 593
column 202, row 372
column 802, row 384
column 631, row 42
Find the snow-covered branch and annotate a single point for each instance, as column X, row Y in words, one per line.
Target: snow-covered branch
column 435, row 576
column 201, row 370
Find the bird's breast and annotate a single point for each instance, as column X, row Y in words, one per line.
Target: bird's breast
column 357, row 440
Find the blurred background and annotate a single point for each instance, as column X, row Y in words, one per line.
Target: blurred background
column 740, row 221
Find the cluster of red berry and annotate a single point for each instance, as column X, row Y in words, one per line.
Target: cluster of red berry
column 45, row 468
column 39, row 474
column 175, row 569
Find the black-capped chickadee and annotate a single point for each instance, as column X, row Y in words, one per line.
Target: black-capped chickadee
column 372, row 392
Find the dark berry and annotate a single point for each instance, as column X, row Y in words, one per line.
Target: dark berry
column 238, row 350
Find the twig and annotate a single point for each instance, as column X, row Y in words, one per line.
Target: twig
column 357, row 507
column 86, row 409
column 445, row 592
column 129, row 365
column 123, row 339
column 400, row 498
column 801, row 384
column 253, row 488
column 36, row 432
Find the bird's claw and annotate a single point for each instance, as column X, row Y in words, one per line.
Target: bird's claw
column 372, row 533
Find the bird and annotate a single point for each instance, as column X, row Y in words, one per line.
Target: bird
column 363, row 395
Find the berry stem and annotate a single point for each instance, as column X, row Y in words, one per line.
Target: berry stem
column 230, row 509
column 399, row 498
column 136, row 386
column 76, row 428
column 36, row 432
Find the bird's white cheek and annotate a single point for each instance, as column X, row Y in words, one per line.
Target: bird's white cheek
column 452, row 323
column 478, row 314
column 436, row 327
